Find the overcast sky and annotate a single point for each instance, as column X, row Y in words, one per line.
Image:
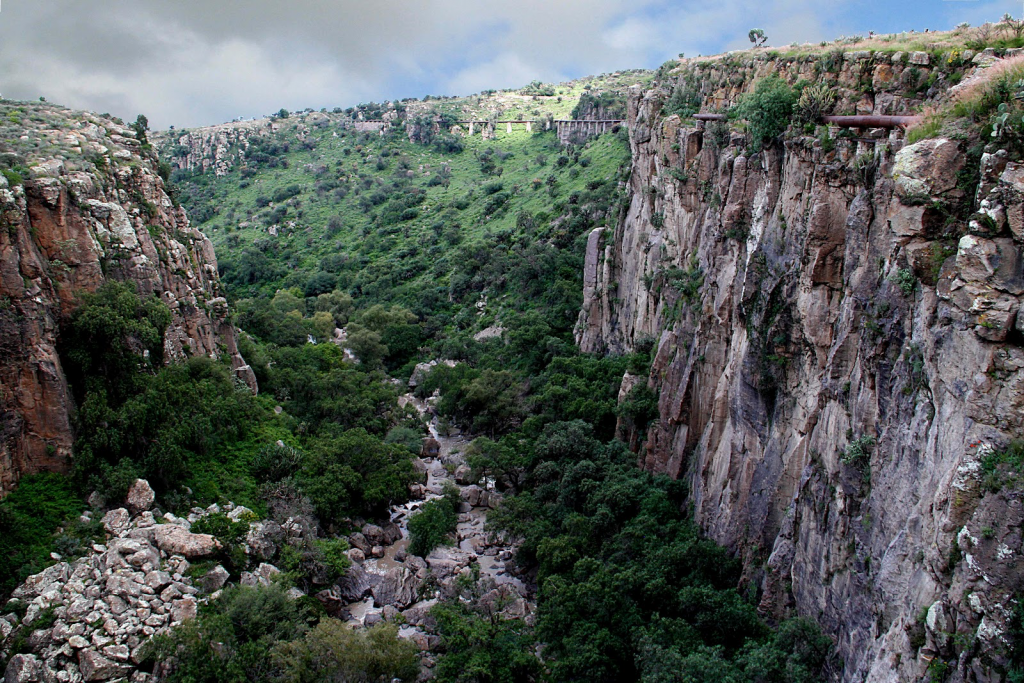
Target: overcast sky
column 196, row 62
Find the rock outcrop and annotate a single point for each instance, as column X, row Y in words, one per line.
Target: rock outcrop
column 838, row 347
column 92, row 208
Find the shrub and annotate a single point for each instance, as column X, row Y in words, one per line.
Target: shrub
column 405, row 436
column 858, row 452
column 333, row 651
column 767, row 110
column 435, row 521
column 684, row 101
column 28, row 518
column 274, row 463
column 905, row 280
column 232, row 639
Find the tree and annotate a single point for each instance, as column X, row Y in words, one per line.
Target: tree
column 141, row 126
column 1015, row 25
column 757, row 37
column 333, row 651
column 767, row 110
column 283, row 113
column 435, row 521
column 111, row 336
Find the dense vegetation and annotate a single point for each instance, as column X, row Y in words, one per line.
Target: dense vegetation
column 413, row 245
column 251, row 634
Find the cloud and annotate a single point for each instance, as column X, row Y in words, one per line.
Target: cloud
column 194, row 62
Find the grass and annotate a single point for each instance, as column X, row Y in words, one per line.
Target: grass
column 976, row 101
column 37, row 518
column 1002, row 469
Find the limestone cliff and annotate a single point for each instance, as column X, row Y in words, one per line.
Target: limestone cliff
column 838, row 336
column 81, row 204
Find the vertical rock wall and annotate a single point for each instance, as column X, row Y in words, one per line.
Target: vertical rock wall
column 838, row 349
column 92, row 209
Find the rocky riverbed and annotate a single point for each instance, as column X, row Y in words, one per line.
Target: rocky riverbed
column 386, row 583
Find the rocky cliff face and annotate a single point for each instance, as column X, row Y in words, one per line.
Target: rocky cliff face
column 90, row 208
column 838, row 348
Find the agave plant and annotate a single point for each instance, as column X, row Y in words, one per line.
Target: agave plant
column 815, row 101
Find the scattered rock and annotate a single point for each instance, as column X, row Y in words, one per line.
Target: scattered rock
column 140, row 497
column 173, row 539
column 96, row 667
column 116, row 521
column 215, row 579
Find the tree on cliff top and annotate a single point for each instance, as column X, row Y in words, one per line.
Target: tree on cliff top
column 757, row 37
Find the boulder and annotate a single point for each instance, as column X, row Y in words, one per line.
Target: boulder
column 430, row 448
column 22, row 669
column 184, row 608
column 356, row 555
column 176, row 540
column 464, row 475
column 374, row 534
column 357, row 540
column 265, row 573
column 471, row 494
column 927, row 168
column 355, row 585
column 44, row 581
column 399, row 588
column 241, row 514
column 140, row 496
column 215, row 579
column 116, row 521
column 263, row 538
column 96, row 667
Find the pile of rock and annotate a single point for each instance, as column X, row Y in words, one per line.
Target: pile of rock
column 91, row 617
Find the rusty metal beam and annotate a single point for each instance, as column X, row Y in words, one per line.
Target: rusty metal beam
column 872, row 121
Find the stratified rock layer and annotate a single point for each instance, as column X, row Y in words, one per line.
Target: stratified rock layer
column 834, row 359
column 92, row 209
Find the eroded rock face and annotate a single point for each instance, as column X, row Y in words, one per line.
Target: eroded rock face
column 70, row 227
column 833, row 305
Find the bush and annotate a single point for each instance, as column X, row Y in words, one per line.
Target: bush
column 333, row 651
column 435, row 521
column 29, row 516
column 352, row 472
column 110, row 336
column 407, row 437
column 232, row 639
column 274, row 463
column 767, row 110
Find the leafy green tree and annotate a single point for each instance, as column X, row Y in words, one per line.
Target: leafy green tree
column 480, row 647
column 232, row 639
column 768, row 110
column 352, row 472
column 757, row 37
column 503, row 460
column 333, row 651
column 434, row 522
column 407, row 437
column 110, row 336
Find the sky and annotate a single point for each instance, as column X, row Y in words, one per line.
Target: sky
column 188, row 63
